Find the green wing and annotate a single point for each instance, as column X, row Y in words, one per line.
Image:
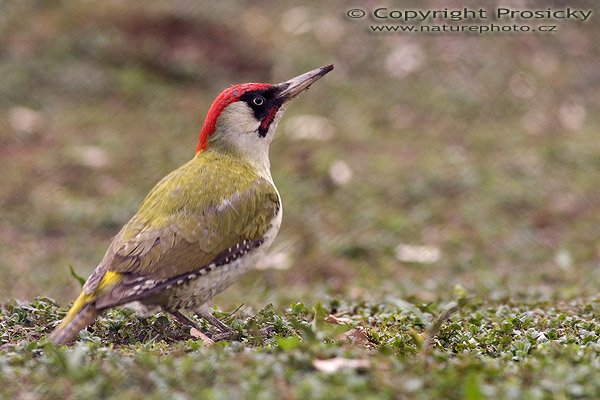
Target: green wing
column 191, row 216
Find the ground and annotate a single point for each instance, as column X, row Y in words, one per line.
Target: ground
column 441, row 234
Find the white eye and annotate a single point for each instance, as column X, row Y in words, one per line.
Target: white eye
column 258, row 100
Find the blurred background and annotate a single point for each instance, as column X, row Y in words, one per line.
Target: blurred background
column 421, row 162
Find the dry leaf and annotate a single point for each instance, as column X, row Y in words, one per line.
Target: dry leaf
column 195, row 333
column 332, row 319
column 418, row 254
column 332, row 365
column 355, row 336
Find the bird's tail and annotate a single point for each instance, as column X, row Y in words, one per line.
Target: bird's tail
column 81, row 314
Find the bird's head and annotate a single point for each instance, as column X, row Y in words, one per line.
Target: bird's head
column 243, row 118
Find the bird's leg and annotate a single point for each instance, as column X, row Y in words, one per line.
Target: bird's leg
column 225, row 332
column 184, row 319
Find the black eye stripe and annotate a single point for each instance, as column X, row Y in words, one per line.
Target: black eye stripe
column 261, row 110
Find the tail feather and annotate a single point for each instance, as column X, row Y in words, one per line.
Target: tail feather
column 83, row 311
column 80, row 316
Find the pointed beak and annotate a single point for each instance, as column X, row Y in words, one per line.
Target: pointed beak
column 293, row 87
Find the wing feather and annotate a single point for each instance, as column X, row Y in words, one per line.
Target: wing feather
column 183, row 225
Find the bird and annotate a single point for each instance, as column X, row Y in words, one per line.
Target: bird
column 203, row 225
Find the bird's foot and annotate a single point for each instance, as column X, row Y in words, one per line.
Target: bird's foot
column 204, row 312
column 217, row 337
column 195, row 330
column 224, row 331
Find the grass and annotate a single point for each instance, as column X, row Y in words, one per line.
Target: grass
column 479, row 152
column 514, row 348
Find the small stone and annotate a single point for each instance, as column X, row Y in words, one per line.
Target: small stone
column 24, row 121
column 418, row 254
column 340, row 173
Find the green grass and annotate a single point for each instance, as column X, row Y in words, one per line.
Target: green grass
column 334, row 349
column 485, row 151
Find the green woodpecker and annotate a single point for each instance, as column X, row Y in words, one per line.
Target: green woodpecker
column 204, row 224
